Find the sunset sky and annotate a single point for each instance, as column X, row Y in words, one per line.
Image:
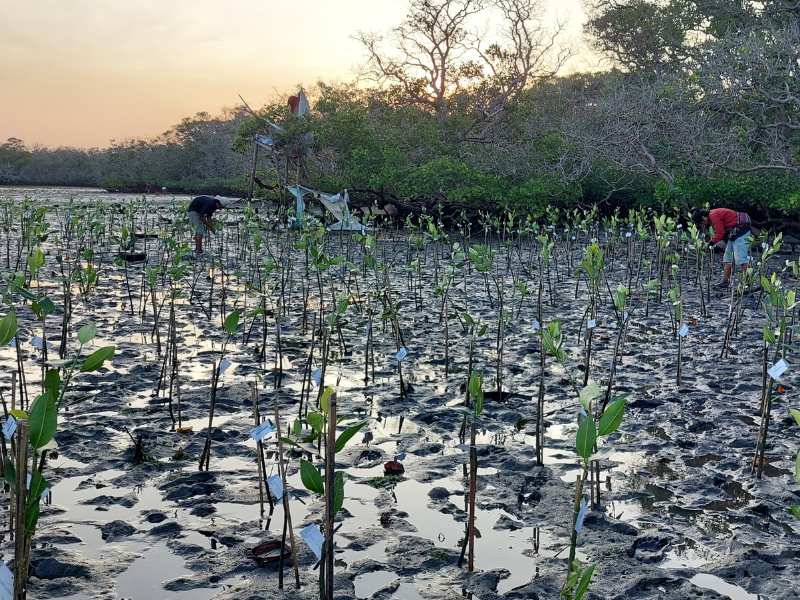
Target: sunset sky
column 84, row 72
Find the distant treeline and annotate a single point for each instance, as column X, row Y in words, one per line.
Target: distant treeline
column 702, row 106
column 196, row 155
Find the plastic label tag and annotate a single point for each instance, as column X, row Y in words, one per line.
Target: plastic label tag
column 37, row 342
column 582, row 512
column 13, row 342
column 778, row 369
column 401, row 354
column 591, row 324
column 10, row 426
column 275, row 485
column 536, row 325
column 313, row 537
column 262, row 431
column 684, row 330
column 316, row 377
column 224, row 365
column 628, row 234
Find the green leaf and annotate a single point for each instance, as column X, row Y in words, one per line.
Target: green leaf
column 36, row 260
column 8, row 328
column 37, row 487
column 795, row 510
column 316, row 420
column 338, row 492
column 325, row 399
column 587, row 394
column 476, row 392
column 583, row 586
column 612, row 416
column 348, row 433
column 43, row 307
column 311, row 477
column 43, row 420
column 231, row 322
column 797, row 469
column 297, row 428
column 31, row 518
column 586, row 437
column 52, row 384
column 87, row 333
column 796, row 414
column 18, row 414
column 96, row 359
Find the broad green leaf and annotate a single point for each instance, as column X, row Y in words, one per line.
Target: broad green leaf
column 87, row 333
column 317, row 421
column 43, row 420
column 348, row 433
column 96, row 359
column 589, row 393
column 795, row 510
column 8, row 328
column 43, row 307
column 36, row 260
column 583, row 585
column 586, row 437
column 311, row 477
column 36, row 487
column 325, row 399
column 231, row 322
column 297, row 428
column 52, row 384
column 796, row 414
column 612, row 416
column 338, row 492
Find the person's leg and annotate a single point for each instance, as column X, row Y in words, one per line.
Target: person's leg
column 727, row 263
column 741, row 251
column 199, row 230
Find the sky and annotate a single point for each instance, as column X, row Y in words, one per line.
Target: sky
column 86, row 72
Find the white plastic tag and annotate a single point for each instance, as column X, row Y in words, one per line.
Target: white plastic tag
column 262, row 431
column 778, row 369
column 628, row 234
column 536, row 325
column 591, row 324
column 313, row 537
column 582, row 512
column 367, row 329
column 13, row 342
column 6, row 582
column 224, row 364
column 37, row 342
column 10, row 426
column 316, row 377
column 401, row 354
column 275, row 485
column 684, row 330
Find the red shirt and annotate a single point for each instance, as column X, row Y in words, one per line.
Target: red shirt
column 722, row 219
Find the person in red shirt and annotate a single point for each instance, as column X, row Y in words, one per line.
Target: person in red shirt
column 734, row 228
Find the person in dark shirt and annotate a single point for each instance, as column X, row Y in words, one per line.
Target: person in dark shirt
column 201, row 210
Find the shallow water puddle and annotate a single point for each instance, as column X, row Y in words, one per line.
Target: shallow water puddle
column 369, row 583
column 729, row 590
column 144, row 579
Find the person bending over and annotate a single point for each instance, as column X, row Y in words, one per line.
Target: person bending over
column 201, row 210
column 733, row 227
